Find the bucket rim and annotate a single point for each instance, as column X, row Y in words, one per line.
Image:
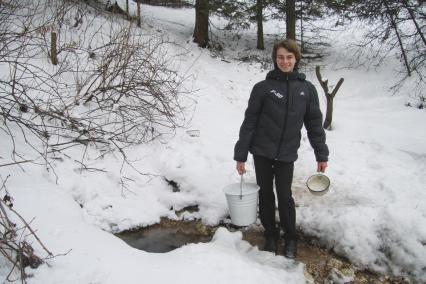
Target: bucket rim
column 254, row 188
column 318, row 192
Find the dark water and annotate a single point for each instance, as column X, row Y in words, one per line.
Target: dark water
column 165, row 237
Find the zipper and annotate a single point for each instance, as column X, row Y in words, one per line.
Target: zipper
column 285, row 119
column 291, row 96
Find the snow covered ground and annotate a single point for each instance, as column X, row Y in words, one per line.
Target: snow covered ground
column 374, row 214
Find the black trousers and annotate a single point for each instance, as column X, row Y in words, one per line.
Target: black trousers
column 266, row 171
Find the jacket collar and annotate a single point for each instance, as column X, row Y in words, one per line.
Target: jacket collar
column 279, row 75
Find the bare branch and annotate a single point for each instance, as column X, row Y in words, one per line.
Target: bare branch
column 15, row 163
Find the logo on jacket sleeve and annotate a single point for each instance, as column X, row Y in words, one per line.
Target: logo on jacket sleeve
column 302, row 93
column 277, row 94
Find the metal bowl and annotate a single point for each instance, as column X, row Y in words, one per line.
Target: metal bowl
column 318, row 184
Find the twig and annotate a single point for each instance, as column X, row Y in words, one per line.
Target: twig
column 29, row 228
column 15, row 163
column 59, row 254
column 9, row 223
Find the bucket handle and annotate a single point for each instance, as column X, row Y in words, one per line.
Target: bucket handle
column 241, row 186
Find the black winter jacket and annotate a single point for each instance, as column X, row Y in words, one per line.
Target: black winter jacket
column 277, row 109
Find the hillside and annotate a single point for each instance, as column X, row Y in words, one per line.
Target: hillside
column 374, row 214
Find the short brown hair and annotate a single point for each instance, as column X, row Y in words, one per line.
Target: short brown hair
column 291, row 46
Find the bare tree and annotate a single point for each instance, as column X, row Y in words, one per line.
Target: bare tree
column 329, row 96
column 125, row 90
column 394, row 27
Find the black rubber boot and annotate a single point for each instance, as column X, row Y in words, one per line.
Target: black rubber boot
column 290, row 248
column 271, row 243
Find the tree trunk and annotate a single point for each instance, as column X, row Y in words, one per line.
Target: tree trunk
column 290, row 11
column 138, row 5
column 196, row 21
column 329, row 113
column 127, row 9
column 201, row 29
column 53, row 50
column 329, row 96
column 302, row 43
column 259, row 18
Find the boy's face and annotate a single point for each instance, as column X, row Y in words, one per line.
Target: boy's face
column 285, row 60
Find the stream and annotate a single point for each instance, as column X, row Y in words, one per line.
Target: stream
column 321, row 265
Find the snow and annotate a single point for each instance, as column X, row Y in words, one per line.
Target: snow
column 374, row 213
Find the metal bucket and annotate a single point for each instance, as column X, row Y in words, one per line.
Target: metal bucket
column 242, row 201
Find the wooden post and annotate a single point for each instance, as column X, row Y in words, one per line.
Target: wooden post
column 329, row 96
column 53, row 50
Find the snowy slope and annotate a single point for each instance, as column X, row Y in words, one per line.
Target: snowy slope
column 375, row 213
